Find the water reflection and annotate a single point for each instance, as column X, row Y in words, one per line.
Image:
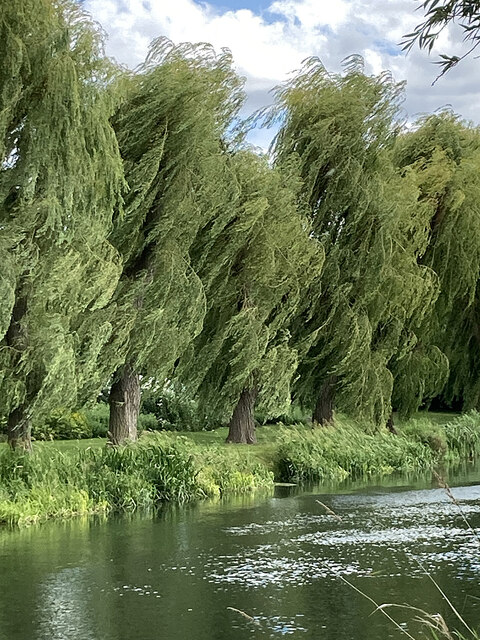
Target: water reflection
column 182, row 573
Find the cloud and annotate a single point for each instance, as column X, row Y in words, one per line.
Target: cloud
column 270, row 44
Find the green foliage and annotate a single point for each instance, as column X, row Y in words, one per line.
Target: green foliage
column 429, row 434
column 439, row 15
column 97, row 418
column 61, row 179
column 173, row 408
column 442, row 155
column 227, row 470
column 347, row 450
column 254, row 273
column 341, row 129
column 49, row 483
column 463, row 436
column 147, row 422
column 62, row 424
column 180, row 105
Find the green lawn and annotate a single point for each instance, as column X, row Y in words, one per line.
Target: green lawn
column 266, row 436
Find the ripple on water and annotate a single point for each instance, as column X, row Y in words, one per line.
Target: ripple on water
column 404, row 525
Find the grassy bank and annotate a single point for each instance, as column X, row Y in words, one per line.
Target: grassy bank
column 67, row 481
column 62, row 479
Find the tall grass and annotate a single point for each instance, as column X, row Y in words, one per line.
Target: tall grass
column 167, row 467
column 345, row 450
column 50, row 483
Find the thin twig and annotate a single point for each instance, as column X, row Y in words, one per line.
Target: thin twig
column 329, row 511
column 378, row 607
column 444, row 596
column 245, row 615
column 443, row 485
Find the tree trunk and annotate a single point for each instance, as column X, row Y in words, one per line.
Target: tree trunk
column 323, row 413
column 19, row 429
column 390, row 425
column 19, row 432
column 124, row 403
column 241, row 429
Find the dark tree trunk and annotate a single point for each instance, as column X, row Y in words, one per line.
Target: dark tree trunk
column 124, row 403
column 241, row 429
column 391, row 426
column 18, row 421
column 19, row 429
column 323, row 413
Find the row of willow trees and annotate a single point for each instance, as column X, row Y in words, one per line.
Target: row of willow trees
column 142, row 239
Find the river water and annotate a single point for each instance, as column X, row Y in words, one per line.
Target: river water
column 187, row 573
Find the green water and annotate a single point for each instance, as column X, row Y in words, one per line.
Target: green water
column 278, row 558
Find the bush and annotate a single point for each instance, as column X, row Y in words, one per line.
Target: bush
column 62, row 424
column 97, row 418
column 147, row 422
column 173, row 408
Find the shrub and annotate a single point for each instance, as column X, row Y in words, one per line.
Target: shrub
column 62, row 424
column 97, row 418
column 147, row 422
column 173, row 409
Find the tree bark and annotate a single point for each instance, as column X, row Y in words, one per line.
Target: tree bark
column 19, row 430
column 391, row 426
column 241, row 429
column 323, row 412
column 124, row 401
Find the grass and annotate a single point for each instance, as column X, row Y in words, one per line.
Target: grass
column 64, row 478
column 68, row 480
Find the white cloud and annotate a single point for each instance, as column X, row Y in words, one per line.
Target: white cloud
column 269, row 45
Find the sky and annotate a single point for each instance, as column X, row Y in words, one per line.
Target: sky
column 269, row 39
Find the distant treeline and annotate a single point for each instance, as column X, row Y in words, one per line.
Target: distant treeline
column 142, row 240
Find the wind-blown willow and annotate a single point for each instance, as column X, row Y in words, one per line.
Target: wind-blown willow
column 254, row 273
column 341, row 129
column 60, row 180
column 170, row 129
column 443, row 156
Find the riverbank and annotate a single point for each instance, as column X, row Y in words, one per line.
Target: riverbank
column 61, row 480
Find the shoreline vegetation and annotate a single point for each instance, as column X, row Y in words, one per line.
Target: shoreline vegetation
column 68, row 478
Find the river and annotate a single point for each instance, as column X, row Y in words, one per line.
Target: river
column 188, row 573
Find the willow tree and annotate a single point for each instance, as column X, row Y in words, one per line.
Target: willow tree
column 253, row 272
column 171, row 130
column 439, row 14
column 443, row 155
column 60, row 180
column 341, row 129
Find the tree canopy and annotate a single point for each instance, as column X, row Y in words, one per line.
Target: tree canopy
column 443, row 154
column 267, row 258
column 341, row 128
column 143, row 242
column 438, row 15
column 179, row 106
column 60, row 180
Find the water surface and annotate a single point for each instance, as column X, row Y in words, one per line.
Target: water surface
column 280, row 559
